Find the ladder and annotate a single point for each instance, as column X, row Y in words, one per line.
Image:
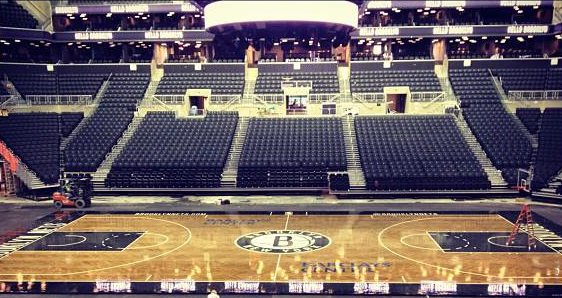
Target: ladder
column 8, row 179
column 525, row 217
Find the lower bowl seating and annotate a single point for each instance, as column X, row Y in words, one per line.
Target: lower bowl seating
column 169, row 152
column 416, row 153
column 291, row 152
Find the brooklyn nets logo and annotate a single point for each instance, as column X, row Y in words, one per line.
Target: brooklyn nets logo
column 283, row 241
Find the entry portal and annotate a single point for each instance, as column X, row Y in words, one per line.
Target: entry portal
column 396, row 102
column 296, row 95
column 396, row 98
column 197, row 105
column 296, row 104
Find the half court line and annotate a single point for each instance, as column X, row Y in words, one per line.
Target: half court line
column 279, row 255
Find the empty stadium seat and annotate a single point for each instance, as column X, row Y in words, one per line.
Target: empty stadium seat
column 530, row 118
column 374, row 81
column 554, row 79
column 107, row 124
column 322, row 81
column 3, row 91
column 169, row 152
column 473, row 86
column 34, row 83
column 416, row 153
column 219, row 83
column 505, row 144
column 298, row 152
column 549, row 155
column 339, row 182
column 522, row 78
column 14, row 15
column 57, row 84
column 35, row 138
column 80, row 84
column 514, row 79
column 69, row 120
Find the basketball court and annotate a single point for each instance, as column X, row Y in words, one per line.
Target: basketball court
column 281, row 252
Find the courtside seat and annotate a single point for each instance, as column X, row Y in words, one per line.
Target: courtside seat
column 339, row 182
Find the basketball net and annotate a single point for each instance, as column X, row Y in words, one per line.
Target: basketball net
column 525, row 218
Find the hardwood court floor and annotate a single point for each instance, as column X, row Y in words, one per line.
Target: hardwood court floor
column 334, row 248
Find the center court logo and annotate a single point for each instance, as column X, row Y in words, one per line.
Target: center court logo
column 283, row 241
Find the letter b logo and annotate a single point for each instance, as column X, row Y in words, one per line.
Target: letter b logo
column 287, row 241
column 282, row 241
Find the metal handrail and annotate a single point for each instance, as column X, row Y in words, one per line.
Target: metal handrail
column 269, row 98
column 428, row 96
column 296, row 84
column 25, row 173
column 5, row 100
column 59, row 99
column 170, row 98
column 226, row 98
column 370, row 97
column 532, row 95
column 180, row 98
column 326, row 97
column 197, row 112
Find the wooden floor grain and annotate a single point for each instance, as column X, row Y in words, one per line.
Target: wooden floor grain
column 362, row 248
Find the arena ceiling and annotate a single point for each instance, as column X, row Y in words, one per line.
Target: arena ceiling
column 203, row 3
